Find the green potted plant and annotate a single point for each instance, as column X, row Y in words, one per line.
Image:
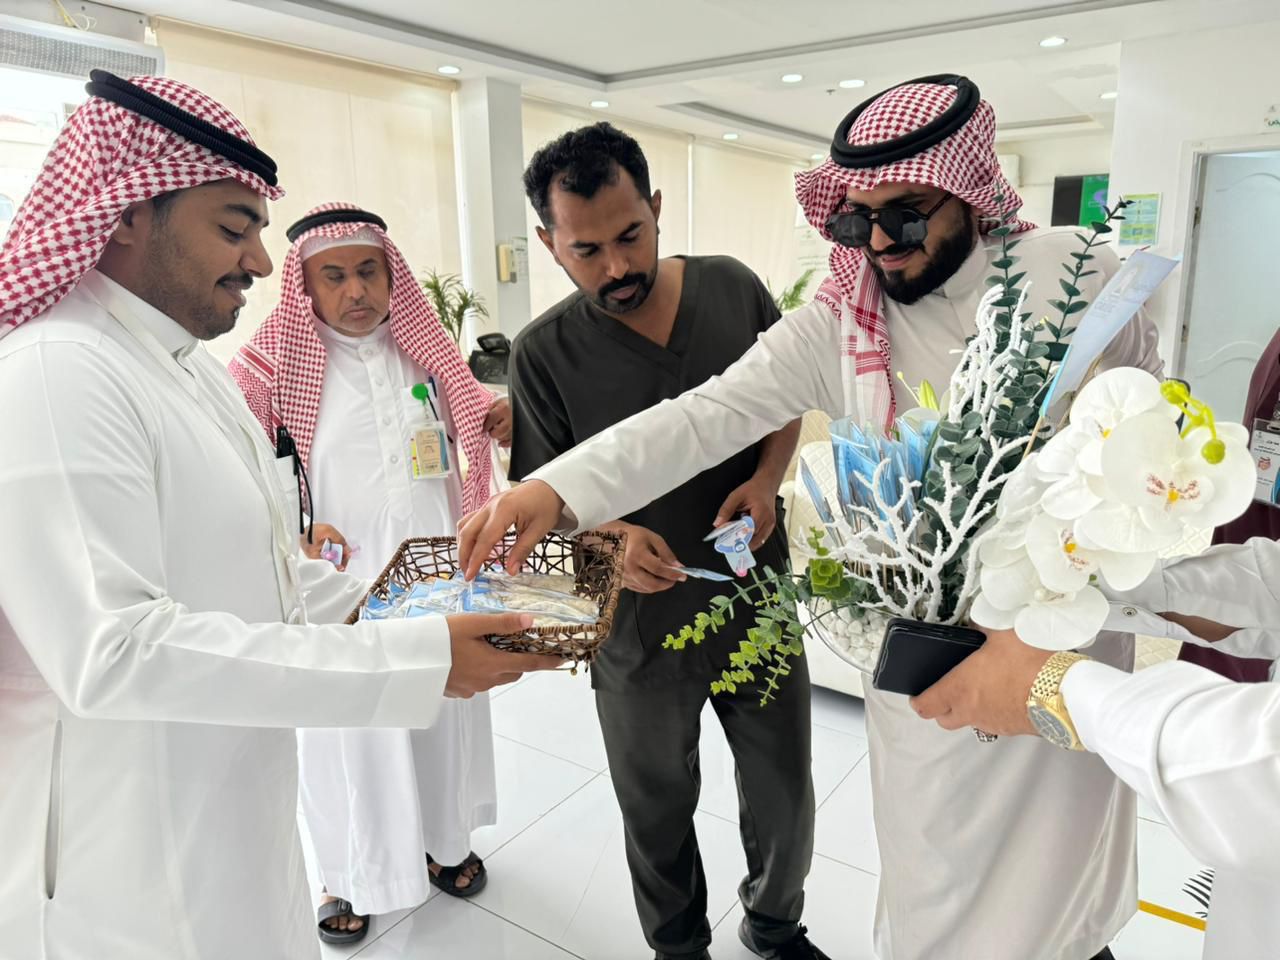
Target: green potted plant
column 453, row 302
column 792, row 297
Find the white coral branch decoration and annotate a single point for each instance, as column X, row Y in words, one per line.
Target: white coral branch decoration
column 886, row 551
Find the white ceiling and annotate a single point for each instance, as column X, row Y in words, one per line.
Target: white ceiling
column 659, row 33
column 711, row 66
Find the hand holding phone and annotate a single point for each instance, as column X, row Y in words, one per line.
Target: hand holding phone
column 916, row 655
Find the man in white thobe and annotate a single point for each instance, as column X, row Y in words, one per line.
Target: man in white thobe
column 1010, row 850
column 354, row 330
column 155, row 652
column 1203, row 750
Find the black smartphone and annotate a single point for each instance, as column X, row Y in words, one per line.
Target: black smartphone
column 916, row 655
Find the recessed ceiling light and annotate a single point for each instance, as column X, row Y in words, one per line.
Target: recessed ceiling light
column 817, row 156
column 852, row 84
column 792, row 77
column 1053, row 41
column 1109, row 95
column 600, row 104
column 730, row 136
column 449, row 70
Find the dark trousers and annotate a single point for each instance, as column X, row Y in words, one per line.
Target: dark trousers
column 651, row 738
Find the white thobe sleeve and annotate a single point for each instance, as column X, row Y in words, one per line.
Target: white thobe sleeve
column 1232, row 584
column 82, row 582
column 792, row 368
column 330, row 594
column 1203, row 750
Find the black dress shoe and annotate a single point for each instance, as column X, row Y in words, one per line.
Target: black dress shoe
column 798, row 947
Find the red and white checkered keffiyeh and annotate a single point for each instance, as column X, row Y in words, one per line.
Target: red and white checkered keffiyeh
column 105, row 158
column 281, row 369
column 964, row 165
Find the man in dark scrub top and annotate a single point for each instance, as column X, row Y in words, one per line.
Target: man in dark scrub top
column 641, row 330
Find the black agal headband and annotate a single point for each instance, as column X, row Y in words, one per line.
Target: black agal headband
column 326, row 217
column 133, row 98
column 862, row 156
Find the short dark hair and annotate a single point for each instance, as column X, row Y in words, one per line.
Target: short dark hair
column 582, row 161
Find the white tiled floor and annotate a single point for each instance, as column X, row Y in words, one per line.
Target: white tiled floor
column 558, row 883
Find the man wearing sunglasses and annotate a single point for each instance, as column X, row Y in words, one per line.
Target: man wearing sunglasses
column 905, row 272
column 1009, row 850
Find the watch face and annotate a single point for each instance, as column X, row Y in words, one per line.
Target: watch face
column 1050, row 727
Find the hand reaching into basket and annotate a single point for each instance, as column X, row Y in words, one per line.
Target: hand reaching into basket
column 533, row 508
column 477, row 666
column 648, row 566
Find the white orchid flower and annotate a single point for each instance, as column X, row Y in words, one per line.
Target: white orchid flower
column 986, row 614
column 1015, row 597
column 1195, row 481
column 1022, row 492
column 1066, row 564
column 1234, row 476
column 1110, row 399
column 1003, row 545
column 1003, row 542
column 1010, row 587
column 1116, row 395
column 1060, row 456
column 1057, row 621
column 1121, row 528
column 1071, row 492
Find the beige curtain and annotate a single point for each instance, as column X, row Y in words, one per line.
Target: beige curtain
column 744, row 206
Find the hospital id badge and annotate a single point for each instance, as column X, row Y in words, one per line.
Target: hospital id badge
column 428, row 451
column 1264, row 445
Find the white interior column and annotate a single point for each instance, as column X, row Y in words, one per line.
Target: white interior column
column 491, row 201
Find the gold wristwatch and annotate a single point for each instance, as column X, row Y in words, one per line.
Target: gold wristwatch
column 1045, row 706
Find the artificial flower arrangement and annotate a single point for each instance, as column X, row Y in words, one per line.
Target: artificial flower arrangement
column 1102, row 499
column 957, row 517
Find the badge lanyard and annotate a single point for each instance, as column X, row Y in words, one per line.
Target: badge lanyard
column 1264, row 445
column 288, row 458
column 428, row 441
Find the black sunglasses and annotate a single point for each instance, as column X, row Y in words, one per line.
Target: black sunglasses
column 905, row 226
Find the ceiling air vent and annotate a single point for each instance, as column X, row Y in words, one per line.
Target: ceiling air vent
column 67, row 52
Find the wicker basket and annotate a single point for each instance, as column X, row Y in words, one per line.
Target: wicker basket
column 593, row 559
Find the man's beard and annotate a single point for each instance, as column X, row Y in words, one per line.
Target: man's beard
column 942, row 265
column 174, row 292
column 643, row 284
